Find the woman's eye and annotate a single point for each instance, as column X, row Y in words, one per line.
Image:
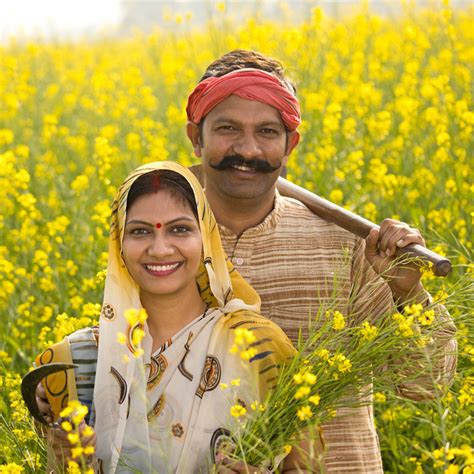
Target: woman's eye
column 139, row 231
column 180, row 229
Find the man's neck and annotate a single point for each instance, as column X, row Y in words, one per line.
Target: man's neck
column 238, row 215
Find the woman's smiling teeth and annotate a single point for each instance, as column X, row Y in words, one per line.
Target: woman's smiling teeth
column 162, row 268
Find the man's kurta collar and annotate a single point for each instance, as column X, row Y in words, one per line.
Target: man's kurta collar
column 270, row 221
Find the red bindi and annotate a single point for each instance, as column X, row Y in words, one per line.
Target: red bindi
column 158, row 225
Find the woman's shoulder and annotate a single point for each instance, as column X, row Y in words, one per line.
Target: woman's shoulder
column 265, row 334
column 246, row 318
column 260, row 342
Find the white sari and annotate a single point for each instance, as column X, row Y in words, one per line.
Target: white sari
column 165, row 412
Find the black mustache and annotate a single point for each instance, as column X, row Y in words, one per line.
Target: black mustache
column 254, row 164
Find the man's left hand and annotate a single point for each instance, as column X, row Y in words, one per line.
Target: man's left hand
column 381, row 247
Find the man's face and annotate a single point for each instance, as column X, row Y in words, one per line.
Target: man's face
column 243, row 145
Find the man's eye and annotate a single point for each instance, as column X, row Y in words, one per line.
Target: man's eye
column 269, row 131
column 226, row 128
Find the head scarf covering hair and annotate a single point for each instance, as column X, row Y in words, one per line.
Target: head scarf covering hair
column 251, row 84
column 219, row 285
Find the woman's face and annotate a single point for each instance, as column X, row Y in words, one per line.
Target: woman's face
column 162, row 245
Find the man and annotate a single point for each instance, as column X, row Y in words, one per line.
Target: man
column 242, row 122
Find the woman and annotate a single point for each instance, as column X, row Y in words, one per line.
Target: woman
column 158, row 403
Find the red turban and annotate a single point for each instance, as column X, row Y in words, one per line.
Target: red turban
column 251, row 84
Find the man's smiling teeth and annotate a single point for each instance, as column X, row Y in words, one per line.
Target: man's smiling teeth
column 242, row 168
column 162, row 268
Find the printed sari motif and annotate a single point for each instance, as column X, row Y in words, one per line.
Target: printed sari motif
column 163, row 412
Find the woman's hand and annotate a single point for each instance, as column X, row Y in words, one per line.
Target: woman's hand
column 61, row 446
column 230, row 466
column 43, row 403
column 305, row 457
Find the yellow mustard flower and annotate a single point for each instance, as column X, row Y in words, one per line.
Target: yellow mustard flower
column 368, row 332
column 302, row 392
column 237, row 411
column 314, row 399
column 304, row 413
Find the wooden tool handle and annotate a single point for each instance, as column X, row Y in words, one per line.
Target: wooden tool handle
column 356, row 224
column 347, row 220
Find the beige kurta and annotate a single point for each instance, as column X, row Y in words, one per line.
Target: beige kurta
column 297, row 262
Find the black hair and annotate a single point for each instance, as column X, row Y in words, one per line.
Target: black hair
column 153, row 181
column 242, row 59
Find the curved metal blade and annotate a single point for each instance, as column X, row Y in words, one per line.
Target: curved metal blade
column 32, row 379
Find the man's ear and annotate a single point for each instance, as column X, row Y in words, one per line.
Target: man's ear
column 194, row 135
column 292, row 140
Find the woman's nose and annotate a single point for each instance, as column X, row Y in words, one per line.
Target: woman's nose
column 161, row 246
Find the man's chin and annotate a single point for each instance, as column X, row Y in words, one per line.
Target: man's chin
column 248, row 187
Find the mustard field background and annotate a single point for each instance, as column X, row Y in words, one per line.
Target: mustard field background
column 387, row 131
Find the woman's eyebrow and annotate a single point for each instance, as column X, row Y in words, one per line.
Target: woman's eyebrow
column 136, row 221
column 177, row 219
column 182, row 218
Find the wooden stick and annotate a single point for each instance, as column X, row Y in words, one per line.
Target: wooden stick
column 356, row 224
column 348, row 220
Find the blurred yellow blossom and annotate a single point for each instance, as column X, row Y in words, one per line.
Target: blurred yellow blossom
column 73, row 438
column 314, row 399
column 237, row 411
column 338, row 321
column 302, row 392
column 80, row 183
column 368, row 332
column 426, row 318
column 304, row 413
column 66, row 426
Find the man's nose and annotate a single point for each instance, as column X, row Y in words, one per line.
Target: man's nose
column 247, row 146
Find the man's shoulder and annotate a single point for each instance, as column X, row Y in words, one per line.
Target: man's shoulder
column 293, row 209
column 294, row 212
